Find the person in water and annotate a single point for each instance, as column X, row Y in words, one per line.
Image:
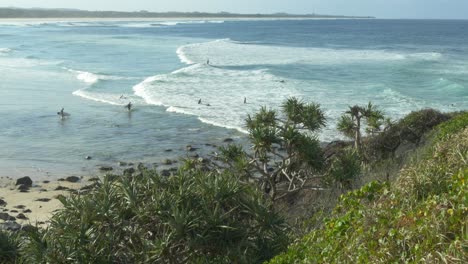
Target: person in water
column 245, row 100
column 208, row 62
column 61, row 113
column 199, row 101
column 129, row 106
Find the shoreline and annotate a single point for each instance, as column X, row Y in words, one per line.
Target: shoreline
column 144, row 19
column 35, row 206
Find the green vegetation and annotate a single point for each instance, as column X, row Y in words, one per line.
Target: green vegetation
column 419, row 218
column 9, row 248
column 350, row 122
column 284, row 149
column 192, row 216
column 226, row 210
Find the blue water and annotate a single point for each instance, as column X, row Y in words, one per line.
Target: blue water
column 160, row 66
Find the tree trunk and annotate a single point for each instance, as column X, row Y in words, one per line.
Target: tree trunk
column 357, row 138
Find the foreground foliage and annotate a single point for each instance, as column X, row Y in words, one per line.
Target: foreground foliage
column 421, row 218
column 190, row 217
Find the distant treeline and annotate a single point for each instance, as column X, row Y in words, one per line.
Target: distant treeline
column 74, row 13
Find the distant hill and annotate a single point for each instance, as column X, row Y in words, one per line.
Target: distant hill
column 11, row 12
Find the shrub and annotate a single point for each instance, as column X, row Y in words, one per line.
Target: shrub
column 345, row 168
column 420, row 219
column 190, row 217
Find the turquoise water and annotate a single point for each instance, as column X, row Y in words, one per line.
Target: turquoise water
column 93, row 69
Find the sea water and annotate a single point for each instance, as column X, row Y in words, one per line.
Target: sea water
column 93, row 69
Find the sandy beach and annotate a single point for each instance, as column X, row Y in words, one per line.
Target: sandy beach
column 38, row 204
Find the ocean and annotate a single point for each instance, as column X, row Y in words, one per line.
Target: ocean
column 93, row 69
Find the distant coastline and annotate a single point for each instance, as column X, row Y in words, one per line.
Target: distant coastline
column 39, row 13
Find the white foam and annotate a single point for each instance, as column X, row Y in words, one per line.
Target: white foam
column 230, row 53
column 92, row 78
column 87, row 77
column 222, row 92
column 108, row 98
column 5, row 51
column 174, row 23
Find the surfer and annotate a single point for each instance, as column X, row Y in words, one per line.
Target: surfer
column 122, row 97
column 62, row 114
column 199, row 101
column 129, row 106
column 208, row 62
column 245, row 100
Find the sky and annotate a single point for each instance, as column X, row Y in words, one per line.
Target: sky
column 441, row 9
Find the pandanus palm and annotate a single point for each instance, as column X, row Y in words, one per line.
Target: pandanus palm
column 350, row 122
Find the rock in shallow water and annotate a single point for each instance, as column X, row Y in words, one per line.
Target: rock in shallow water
column 72, row 179
column 106, row 168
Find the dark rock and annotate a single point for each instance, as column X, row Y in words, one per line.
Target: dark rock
column 61, row 179
column 129, row 171
column 10, row 226
column 141, row 166
column 72, row 179
column 23, row 188
column 43, row 190
column 14, row 211
column 106, row 168
column 130, row 164
column 165, row 173
column 5, row 210
column 7, row 217
column 123, row 163
column 45, row 182
column 190, row 148
column 61, row 188
column 21, row 216
column 95, row 179
column 208, row 145
column 43, row 200
column 19, row 206
column 195, row 156
column 88, row 157
column 27, row 211
column 29, row 228
column 228, row 140
column 2, row 202
column 168, row 150
column 24, row 181
column 173, row 169
column 167, row 162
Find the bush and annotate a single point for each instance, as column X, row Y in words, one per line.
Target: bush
column 190, row 217
column 420, row 219
column 410, row 129
column 345, row 168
